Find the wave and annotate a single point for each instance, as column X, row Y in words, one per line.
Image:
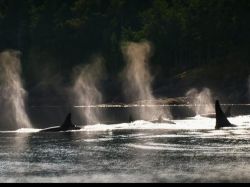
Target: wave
column 195, row 123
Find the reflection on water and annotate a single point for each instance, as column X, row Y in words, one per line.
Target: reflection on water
column 190, row 151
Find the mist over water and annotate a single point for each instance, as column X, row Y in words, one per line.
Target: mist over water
column 12, row 93
column 137, row 80
column 86, row 90
column 202, row 102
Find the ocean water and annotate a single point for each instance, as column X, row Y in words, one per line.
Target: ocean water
column 189, row 151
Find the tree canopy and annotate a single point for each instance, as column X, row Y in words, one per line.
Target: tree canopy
column 56, row 35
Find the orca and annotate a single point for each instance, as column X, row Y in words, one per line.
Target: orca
column 66, row 126
column 159, row 120
column 162, row 120
column 221, row 119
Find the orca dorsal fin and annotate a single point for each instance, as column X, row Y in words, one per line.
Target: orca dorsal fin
column 68, row 122
column 221, row 119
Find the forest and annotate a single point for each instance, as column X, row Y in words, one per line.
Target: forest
column 197, row 43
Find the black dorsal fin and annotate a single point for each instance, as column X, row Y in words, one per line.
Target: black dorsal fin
column 221, row 119
column 68, row 122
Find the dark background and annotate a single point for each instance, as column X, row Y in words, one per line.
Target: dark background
column 197, row 43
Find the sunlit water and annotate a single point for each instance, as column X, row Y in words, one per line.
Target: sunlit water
column 190, row 151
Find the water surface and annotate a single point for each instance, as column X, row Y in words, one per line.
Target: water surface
column 190, row 151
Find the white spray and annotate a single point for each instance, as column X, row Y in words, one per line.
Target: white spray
column 137, row 83
column 202, row 102
column 86, row 92
column 12, row 93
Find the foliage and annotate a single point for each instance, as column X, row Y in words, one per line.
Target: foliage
column 64, row 33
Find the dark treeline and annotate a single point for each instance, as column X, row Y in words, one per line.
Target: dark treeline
column 188, row 36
